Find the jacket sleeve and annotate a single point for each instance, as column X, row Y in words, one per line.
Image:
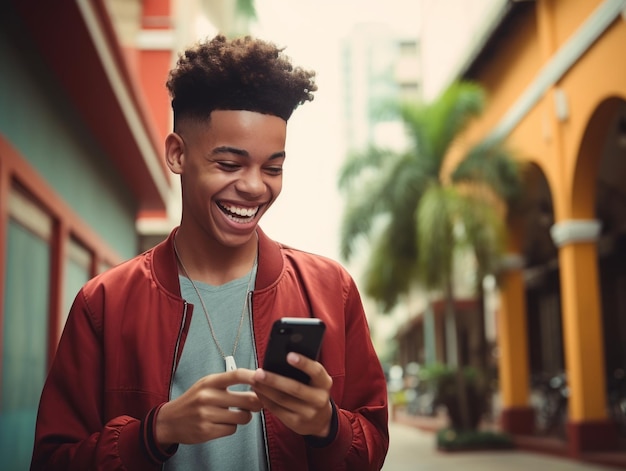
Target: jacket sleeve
column 71, row 433
column 362, row 437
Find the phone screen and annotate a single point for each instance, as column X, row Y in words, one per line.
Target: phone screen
column 293, row 334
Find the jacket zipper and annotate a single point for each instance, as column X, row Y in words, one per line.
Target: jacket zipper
column 256, row 360
column 178, row 338
column 180, row 335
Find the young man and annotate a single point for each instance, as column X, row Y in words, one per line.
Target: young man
column 159, row 365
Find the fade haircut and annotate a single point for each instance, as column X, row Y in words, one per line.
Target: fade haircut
column 239, row 74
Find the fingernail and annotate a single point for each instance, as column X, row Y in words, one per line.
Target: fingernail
column 293, row 357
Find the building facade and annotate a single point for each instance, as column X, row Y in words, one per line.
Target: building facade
column 556, row 84
column 83, row 183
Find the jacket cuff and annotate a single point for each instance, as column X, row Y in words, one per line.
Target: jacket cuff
column 148, row 428
column 321, row 442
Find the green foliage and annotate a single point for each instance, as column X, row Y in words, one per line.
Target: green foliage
column 434, row 126
column 413, row 219
column 501, row 174
column 453, row 440
column 436, row 239
column 245, row 8
column 448, row 383
column 444, row 379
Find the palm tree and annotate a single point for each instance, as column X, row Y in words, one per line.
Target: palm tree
column 416, row 216
column 233, row 19
column 246, row 8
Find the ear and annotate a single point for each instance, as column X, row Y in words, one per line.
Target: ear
column 174, row 153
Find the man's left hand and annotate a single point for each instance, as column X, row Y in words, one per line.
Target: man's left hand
column 304, row 408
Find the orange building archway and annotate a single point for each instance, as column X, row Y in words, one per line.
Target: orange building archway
column 555, row 80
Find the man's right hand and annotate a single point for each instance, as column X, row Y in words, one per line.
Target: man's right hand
column 207, row 410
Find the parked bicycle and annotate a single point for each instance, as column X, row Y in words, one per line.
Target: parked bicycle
column 616, row 391
column 550, row 394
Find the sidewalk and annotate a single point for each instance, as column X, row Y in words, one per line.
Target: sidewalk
column 413, row 449
column 547, row 447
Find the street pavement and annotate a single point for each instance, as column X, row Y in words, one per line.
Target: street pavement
column 411, row 449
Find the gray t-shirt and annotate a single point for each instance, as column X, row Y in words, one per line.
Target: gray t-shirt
column 246, row 448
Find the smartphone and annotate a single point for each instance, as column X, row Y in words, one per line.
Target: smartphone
column 293, row 334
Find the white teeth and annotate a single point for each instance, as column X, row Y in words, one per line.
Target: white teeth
column 241, row 212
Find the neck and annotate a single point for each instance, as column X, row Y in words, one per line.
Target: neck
column 213, row 263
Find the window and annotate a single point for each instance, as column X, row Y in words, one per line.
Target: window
column 77, row 273
column 25, row 326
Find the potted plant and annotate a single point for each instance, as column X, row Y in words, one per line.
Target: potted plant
column 464, row 393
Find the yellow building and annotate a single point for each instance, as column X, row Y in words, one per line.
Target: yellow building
column 555, row 74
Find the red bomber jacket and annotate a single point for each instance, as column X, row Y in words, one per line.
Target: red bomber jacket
column 125, row 334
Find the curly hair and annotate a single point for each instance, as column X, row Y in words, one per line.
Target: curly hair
column 239, row 74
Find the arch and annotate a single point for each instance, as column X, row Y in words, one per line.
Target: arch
column 598, row 140
column 600, row 190
column 531, row 218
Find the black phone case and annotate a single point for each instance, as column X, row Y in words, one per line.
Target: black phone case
column 300, row 335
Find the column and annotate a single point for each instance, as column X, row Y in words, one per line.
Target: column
column 517, row 415
column 588, row 426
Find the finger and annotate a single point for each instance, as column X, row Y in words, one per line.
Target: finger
column 220, row 416
column 236, row 417
column 280, row 407
column 245, row 400
column 319, row 377
column 299, row 417
column 288, row 393
column 214, row 424
column 267, row 382
column 228, row 378
column 273, row 398
column 207, row 396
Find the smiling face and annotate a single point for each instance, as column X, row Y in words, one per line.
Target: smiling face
column 231, row 173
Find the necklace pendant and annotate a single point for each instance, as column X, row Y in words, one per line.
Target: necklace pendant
column 230, row 363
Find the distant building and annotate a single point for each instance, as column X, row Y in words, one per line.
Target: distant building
column 83, row 183
column 556, row 86
column 378, row 66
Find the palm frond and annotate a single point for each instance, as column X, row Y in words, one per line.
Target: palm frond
column 246, row 9
column 387, row 275
column 492, row 164
column 366, row 202
column 357, row 162
column 415, row 118
column 415, row 223
column 358, row 219
column 392, row 189
column 452, row 112
column 434, row 126
column 484, row 233
column 435, row 219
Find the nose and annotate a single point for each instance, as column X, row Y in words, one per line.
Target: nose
column 251, row 183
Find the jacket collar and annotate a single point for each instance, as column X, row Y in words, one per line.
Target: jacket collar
column 165, row 268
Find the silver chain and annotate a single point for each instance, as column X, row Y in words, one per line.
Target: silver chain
column 206, row 311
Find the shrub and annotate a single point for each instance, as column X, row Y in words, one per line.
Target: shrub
column 449, row 439
column 451, row 386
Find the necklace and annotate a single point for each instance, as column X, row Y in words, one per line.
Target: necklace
column 229, row 360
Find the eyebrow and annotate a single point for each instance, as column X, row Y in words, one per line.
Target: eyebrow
column 243, row 153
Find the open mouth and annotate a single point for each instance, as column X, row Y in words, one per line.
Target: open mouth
column 239, row 214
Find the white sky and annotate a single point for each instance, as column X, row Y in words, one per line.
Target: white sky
column 308, row 212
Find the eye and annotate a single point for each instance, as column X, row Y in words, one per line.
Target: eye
column 274, row 170
column 228, row 166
